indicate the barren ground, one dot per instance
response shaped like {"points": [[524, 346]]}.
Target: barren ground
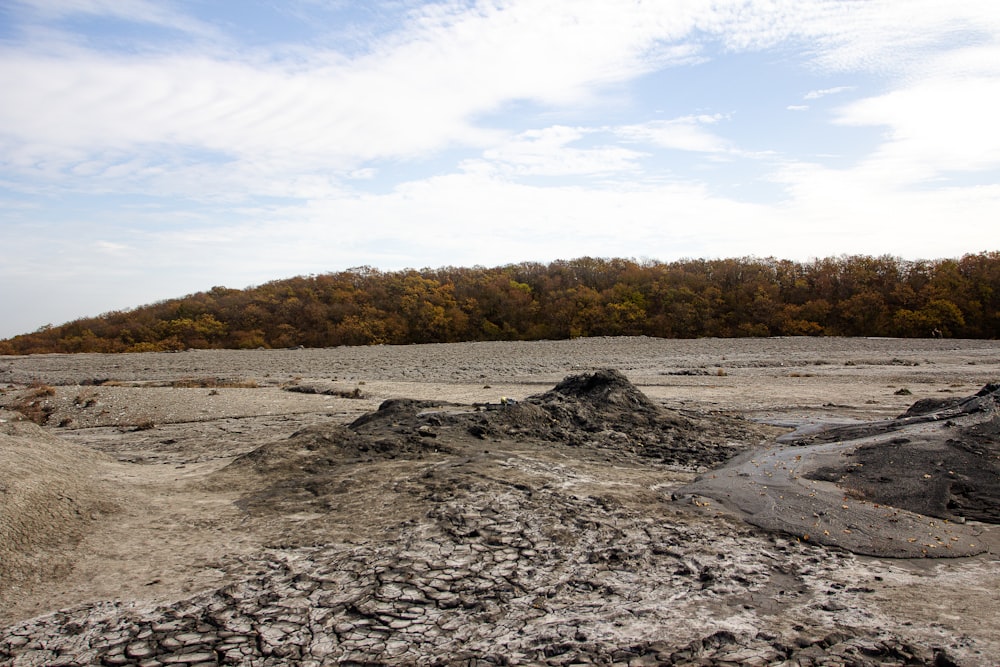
{"points": [[204, 507]]}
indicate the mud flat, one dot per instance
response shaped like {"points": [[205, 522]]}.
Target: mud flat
{"points": [[506, 503]]}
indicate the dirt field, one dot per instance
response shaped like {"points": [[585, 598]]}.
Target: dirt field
{"points": [[256, 507]]}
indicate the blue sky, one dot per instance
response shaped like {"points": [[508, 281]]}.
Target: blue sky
{"points": [[150, 149]]}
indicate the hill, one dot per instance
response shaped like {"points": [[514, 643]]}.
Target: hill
{"points": [[845, 296]]}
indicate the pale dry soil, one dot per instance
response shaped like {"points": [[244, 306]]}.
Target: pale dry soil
{"points": [[136, 507]]}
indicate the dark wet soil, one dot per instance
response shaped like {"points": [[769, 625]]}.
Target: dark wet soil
{"points": [[951, 472]]}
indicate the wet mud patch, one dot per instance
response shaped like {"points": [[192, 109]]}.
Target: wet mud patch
{"points": [[900, 488], [944, 460], [953, 480]]}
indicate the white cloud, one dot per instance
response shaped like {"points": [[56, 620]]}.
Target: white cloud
{"points": [[851, 208], [547, 152], [816, 94], [152, 118], [88, 114], [479, 218], [797, 107], [933, 127], [111, 248], [686, 134]]}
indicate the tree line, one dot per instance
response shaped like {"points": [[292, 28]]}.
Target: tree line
{"points": [[838, 296]]}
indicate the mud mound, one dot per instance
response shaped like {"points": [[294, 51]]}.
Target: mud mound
{"points": [[604, 399], [598, 410], [394, 413], [983, 400], [608, 390], [49, 497], [380, 435], [316, 447], [313, 468], [601, 413], [927, 405], [953, 472], [604, 409]]}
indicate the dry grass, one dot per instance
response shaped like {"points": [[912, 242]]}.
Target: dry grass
{"points": [[34, 405]]}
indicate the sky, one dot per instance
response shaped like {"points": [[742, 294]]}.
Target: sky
{"points": [[150, 149]]}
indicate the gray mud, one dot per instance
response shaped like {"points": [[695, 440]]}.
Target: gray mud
{"points": [[916, 486]]}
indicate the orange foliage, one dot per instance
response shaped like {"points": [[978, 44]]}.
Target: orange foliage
{"points": [[847, 296]]}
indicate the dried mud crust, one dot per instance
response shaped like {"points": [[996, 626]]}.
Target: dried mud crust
{"points": [[506, 560], [492, 578]]}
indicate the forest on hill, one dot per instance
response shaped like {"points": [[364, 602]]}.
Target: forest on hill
{"points": [[841, 296]]}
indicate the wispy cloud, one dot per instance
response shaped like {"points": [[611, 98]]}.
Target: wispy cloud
{"points": [[549, 152], [816, 94], [112, 248], [933, 126], [686, 134], [135, 11], [413, 93]]}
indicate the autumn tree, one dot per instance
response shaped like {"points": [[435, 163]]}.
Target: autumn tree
{"points": [[746, 296]]}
